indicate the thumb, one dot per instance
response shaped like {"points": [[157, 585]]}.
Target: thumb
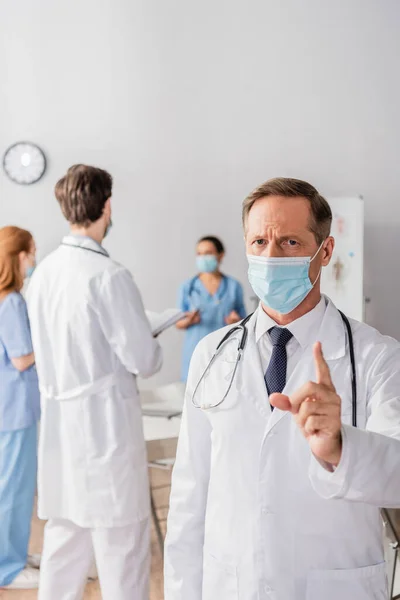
{"points": [[281, 401]]}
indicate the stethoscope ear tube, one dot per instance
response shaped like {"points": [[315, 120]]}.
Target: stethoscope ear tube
{"points": [[353, 368], [221, 292], [240, 349], [85, 248]]}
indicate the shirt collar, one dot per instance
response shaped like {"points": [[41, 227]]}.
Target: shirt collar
{"points": [[84, 241], [303, 329]]}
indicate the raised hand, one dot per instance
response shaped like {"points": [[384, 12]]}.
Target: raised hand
{"points": [[316, 408], [190, 318], [194, 317], [232, 318]]}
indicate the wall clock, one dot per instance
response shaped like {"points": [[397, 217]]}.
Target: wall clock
{"points": [[24, 163]]}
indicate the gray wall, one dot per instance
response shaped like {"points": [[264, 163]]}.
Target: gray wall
{"points": [[190, 105]]}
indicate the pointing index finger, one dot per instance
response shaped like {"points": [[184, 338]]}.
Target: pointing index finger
{"points": [[321, 367]]}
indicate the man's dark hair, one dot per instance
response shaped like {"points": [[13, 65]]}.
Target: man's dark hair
{"points": [[82, 194], [214, 240], [320, 211]]}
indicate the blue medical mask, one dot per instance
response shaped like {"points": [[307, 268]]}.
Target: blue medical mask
{"points": [[29, 271], [206, 263], [281, 283]]}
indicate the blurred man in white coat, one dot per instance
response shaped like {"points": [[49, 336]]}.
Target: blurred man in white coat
{"points": [[289, 442], [91, 339]]}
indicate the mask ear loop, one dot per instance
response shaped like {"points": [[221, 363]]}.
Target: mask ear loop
{"points": [[316, 254], [311, 259]]}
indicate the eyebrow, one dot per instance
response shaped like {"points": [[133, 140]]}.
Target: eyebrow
{"points": [[286, 236]]}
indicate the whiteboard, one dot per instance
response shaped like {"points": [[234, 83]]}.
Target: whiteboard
{"points": [[342, 279]]}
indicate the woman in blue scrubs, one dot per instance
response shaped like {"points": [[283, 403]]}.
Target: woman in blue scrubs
{"points": [[19, 411], [210, 299]]}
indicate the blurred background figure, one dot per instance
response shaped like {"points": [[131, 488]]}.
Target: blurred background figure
{"points": [[92, 339], [210, 298], [19, 411]]}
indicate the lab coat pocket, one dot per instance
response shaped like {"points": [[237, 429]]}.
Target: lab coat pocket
{"points": [[366, 583], [219, 580]]}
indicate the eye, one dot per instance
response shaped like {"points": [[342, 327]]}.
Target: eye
{"points": [[291, 243], [259, 242]]}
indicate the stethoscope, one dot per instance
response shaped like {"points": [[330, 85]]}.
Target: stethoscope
{"points": [[81, 247], [221, 292], [242, 339]]}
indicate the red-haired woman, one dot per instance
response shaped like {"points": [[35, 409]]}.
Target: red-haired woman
{"points": [[19, 411]]}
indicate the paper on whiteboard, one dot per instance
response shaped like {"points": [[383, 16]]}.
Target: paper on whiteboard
{"points": [[342, 280]]}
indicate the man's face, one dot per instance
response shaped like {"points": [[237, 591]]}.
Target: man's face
{"points": [[280, 227]]}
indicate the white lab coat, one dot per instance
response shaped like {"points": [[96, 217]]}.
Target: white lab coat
{"points": [[91, 338], [253, 515]]}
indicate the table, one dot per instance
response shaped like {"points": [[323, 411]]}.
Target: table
{"points": [[161, 408]]}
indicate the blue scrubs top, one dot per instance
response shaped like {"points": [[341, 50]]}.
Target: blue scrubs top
{"points": [[19, 394], [213, 310]]}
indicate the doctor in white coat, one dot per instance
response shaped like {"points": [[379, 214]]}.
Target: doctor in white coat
{"points": [[91, 339], [275, 493]]}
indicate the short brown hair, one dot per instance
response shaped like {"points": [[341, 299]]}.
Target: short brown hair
{"points": [[13, 241], [321, 214], [82, 194]]}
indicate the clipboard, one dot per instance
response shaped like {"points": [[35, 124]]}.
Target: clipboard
{"points": [[159, 322]]}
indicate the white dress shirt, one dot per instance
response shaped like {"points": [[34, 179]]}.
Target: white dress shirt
{"points": [[304, 331]]}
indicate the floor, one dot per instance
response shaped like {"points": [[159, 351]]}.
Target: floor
{"points": [[160, 481]]}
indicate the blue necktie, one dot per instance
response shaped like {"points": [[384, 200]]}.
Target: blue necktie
{"points": [[275, 375]]}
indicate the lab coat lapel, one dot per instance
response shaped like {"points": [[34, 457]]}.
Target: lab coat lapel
{"points": [[252, 385]]}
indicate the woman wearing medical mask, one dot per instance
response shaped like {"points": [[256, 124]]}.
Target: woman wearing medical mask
{"points": [[210, 299], [19, 411]]}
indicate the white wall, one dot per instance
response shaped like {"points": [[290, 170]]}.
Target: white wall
{"points": [[190, 105]]}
